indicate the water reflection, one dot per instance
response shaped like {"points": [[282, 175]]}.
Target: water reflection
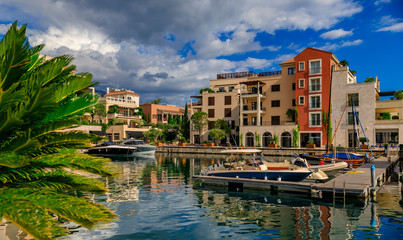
{"points": [[157, 199]]}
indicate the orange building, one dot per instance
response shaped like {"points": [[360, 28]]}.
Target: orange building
{"points": [[313, 92], [159, 113]]}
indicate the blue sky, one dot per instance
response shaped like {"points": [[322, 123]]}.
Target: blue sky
{"points": [[170, 49]]}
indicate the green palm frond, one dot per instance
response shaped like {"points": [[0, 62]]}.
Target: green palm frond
{"points": [[17, 204], [38, 175], [12, 160], [96, 165]]}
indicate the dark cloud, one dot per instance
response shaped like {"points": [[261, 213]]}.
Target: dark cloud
{"points": [[148, 77]]}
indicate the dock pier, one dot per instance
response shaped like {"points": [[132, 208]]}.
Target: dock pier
{"points": [[354, 183]]}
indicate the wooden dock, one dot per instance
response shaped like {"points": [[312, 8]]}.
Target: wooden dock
{"points": [[355, 183]]}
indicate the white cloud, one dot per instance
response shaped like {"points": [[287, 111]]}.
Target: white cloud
{"points": [[335, 46], [396, 27], [381, 2], [337, 33], [121, 41]]}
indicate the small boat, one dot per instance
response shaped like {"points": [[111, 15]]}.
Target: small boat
{"points": [[128, 148], [254, 167], [350, 158]]}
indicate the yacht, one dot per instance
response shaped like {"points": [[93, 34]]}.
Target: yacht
{"points": [[127, 148]]}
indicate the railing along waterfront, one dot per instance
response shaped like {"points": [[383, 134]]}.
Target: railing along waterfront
{"points": [[269, 123]]}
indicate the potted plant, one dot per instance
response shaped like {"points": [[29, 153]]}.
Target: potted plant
{"points": [[210, 144], [205, 143], [273, 141], [310, 144], [182, 142], [158, 143], [363, 141]]}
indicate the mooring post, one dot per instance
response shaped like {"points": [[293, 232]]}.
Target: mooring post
{"points": [[373, 181]]}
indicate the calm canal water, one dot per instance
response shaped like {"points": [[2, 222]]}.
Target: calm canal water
{"points": [[156, 198]]}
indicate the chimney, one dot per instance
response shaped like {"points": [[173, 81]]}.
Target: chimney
{"points": [[107, 90]]}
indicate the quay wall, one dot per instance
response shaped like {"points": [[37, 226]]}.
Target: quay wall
{"points": [[266, 151]]}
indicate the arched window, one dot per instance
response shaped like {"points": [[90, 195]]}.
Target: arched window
{"points": [[286, 139], [250, 140], [266, 139]]}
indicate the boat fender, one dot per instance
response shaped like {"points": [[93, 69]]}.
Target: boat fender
{"points": [[321, 162]]}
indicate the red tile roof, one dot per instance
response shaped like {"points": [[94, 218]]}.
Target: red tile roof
{"points": [[289, 61], [120, 93]]}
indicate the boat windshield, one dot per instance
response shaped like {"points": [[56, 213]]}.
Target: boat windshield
{"points": [[133, 142]]}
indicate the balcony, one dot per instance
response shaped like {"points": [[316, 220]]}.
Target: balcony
{"points": [[269, 123], [315, 71], [252, 109], [253, 95]]}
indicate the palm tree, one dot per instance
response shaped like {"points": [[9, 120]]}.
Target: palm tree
{"points": [[38, 184]]}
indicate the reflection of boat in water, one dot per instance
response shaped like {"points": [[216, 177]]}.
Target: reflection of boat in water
{"points": [[350, 158], [128, 148], [255, 167]]}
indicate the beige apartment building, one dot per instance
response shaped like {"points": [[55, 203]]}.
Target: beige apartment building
{"points": [[252, 103], [370, 104], [223, 103]]}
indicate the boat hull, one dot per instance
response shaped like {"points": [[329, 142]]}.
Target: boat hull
{"points": [[292, 176]]}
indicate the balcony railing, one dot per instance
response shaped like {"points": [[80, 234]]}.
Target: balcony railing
{"points": [[272, 73], [252, 108], [316, 70], [269, 123]]}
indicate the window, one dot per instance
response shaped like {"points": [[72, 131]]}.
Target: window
{"points": [[233, 124], [301, 66], [315, 102], [210, 125], [301, 83], [350, 118], [254, 106], [227, 112], [275, 88], [301, 100], [211, 113], [221, 89], [315, 67], [211, 101], [293, 103], [275, 103], [230, 89], [291, 71], [353, 98], [227, 100], [293, 86], [314, 120], [154, 116], [314, 84], [275, 120]]}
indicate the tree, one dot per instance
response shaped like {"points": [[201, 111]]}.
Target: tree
{"points": [[140, 112], [216, 134], [200, 120], [113, 109], [327, 125], [344, 63], [185, 126], [156, 101], [206, 89], [398, 95], [38, 97], [221, 124], [152, 134], [291, 114], [98, 110], [369, 79]]}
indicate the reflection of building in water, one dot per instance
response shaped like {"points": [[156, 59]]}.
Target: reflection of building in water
{"points": [[9, 231], [291, 218], [125, 186]]}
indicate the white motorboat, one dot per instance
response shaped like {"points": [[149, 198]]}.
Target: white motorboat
{"points": [[255, 167]]}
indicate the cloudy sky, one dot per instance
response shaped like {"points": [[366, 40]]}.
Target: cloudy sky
{"points": [[172, 48]]}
